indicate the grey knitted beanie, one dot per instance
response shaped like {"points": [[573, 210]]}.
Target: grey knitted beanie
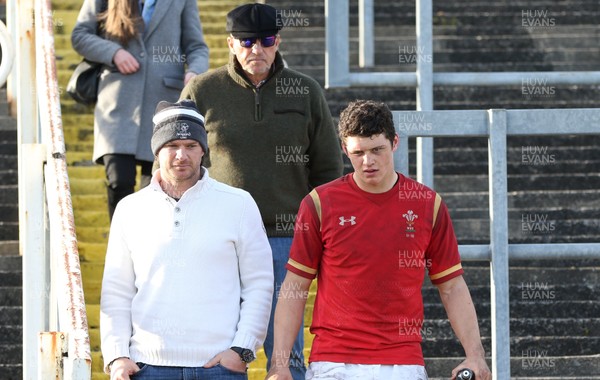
{"points": [[177, 121]]}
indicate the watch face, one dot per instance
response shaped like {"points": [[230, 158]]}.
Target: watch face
{"points": [[247, 355]]}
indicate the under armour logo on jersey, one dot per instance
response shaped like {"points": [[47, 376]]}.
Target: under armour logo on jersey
{"points": [[352, 220]]}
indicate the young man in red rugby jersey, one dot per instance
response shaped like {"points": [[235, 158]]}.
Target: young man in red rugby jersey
{"points": [[370, 237]]}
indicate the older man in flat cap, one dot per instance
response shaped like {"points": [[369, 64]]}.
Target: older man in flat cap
{"points": [[270, 132], [185, 293]]}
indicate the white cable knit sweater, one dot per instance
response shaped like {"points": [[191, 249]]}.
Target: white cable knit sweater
{"points": [[185, 280]]}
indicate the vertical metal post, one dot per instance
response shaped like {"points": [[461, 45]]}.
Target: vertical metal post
{"points": [[52, 346], [33, 246], [499, 245], [31, 203], [401, 154], [424, 12], [337, 45], [366, 35]]}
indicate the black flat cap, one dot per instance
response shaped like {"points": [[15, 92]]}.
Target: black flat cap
{"points": [[253, 20]]}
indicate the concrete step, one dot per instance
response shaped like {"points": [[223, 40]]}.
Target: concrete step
{"points": [[9, 248], [91, 252], [458, 183], [529, 309], [8, 148], [9, 212], [12, 371], [11, 335], [9, 231], [403, 55], [93, 234], [10, 278], [476, 231], [525, 327], [11, 316], [8, 125], [552, 199], [11, 263], [10, 354], [9, 176], [578, 367], [554, 346], [481, 213], [551, 273], [529, 290], [11, 296], [8, 162]]}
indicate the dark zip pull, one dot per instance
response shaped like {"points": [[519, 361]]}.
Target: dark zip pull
{"points": [[257, 113]]}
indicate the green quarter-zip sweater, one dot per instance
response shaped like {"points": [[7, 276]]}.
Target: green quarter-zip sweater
{"points": [[277, 141]]}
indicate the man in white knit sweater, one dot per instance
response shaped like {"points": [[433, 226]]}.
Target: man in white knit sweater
{"points": [[186, 293]]}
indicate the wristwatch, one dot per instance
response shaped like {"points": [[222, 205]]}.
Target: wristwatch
{"points": [[246, 355]]}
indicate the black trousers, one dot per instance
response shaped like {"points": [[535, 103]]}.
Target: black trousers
{"points": [[121, 173]]}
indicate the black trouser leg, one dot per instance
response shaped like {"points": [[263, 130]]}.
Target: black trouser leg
{"points": [[120, 172], [146, 173], [120, 178]]}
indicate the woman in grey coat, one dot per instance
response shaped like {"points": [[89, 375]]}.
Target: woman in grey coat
{"points": [[149, 50]]}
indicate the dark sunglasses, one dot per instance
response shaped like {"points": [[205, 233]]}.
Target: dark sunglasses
{"points": [[264, 41]]}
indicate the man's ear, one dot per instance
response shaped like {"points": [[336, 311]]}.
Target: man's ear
{"points": [[277, 41], [230, 43], [344, 148], [395, 143]]}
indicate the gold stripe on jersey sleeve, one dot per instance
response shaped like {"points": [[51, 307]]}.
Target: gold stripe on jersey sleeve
{"points": [[317, 201], [302, 267], [436, 208], [446, 272]]}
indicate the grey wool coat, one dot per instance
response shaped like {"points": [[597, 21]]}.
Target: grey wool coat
{"points": [[171, 44]]}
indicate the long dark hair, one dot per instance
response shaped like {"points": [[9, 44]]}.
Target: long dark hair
{"points": [[122, 20]]}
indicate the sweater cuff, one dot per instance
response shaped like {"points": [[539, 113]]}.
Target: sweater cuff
{"points": [[111, 354], [246, 341]]}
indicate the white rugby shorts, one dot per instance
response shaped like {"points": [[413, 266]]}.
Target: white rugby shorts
{"points": [[342, 371]]}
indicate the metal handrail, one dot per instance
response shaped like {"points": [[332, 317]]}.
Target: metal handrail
{"points": [[8, 53], [72, 317]]}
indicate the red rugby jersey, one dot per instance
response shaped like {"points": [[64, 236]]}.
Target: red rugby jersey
{"points": [[369, 253]]}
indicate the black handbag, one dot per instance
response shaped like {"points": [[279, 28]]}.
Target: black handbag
{"points": [[83, 84]]}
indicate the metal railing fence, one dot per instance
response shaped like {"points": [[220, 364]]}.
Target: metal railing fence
{"points": [[338, 74], [497, 125], [55, 331]]}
